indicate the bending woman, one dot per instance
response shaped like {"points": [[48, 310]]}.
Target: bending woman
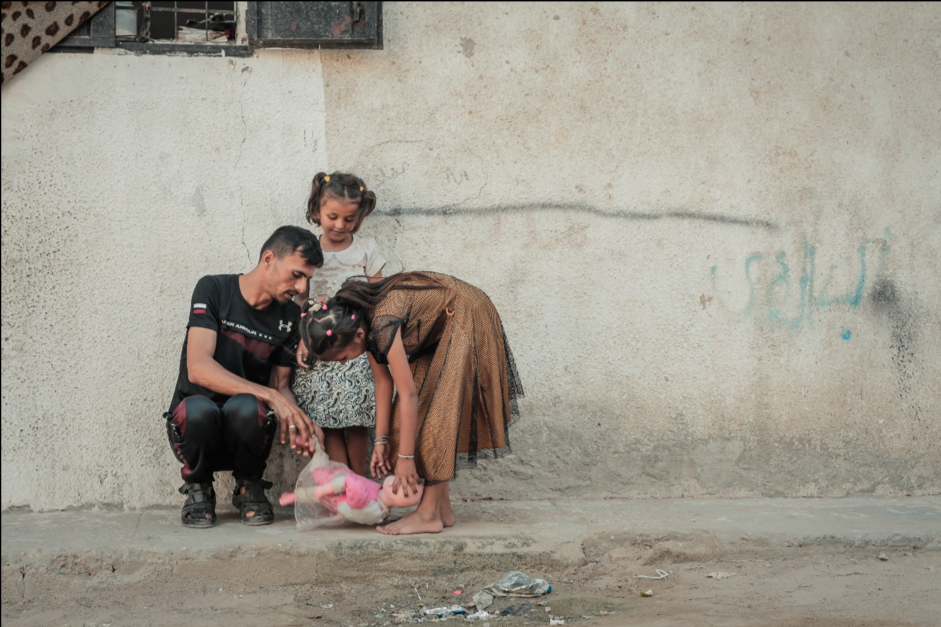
{"points": [[439, 341]]}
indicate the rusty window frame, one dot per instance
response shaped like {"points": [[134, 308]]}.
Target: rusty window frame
{"points": [[314, 25], [99, 31], [180, 13]]}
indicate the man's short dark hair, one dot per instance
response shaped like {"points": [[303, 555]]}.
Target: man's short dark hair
{"points": [[287, 240]]}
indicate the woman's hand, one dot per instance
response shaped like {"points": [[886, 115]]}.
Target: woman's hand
{"points": [[380, 466], [302, 355], [406, 477]]}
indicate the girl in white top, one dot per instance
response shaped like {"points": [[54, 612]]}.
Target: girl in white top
{"points": [[340, 397]]}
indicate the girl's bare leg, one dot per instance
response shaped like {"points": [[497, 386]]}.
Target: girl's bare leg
{"points": [[357, 444], [444, 509], [428, 518], [335, 444]]}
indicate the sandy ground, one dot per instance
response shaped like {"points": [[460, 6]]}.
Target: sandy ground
{"points": [[795, 586]]}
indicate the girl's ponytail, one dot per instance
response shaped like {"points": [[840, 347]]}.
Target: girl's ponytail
{"points": [[367, 200], [313, 201]]}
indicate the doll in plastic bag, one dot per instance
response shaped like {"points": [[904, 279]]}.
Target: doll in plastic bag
{"points": [[329, 492]]}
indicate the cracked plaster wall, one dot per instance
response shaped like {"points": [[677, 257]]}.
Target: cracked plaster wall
{"points": [[712, 232]]}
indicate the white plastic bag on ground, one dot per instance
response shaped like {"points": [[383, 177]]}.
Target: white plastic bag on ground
{"points": [[516, 584], [512, 584]]}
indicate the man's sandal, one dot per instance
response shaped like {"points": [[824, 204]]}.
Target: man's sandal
{"points": [[199, 509], [253, 501]]}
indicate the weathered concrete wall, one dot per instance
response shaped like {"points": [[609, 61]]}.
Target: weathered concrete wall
{"points": [[125, 179], [712, 231]]}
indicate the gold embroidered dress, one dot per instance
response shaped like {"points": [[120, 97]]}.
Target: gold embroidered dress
{"points": [[464, 372]]}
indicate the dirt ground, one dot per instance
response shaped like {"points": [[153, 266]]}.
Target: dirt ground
{"points": [[782, 587]]}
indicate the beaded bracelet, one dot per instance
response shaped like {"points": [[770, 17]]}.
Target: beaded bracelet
{"points": [[406, 456]]}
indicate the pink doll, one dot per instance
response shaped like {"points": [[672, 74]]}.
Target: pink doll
{"points": [[348, 495], [357, 498]]}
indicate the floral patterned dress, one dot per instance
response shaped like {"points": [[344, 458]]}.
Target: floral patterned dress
{"points": [[336, 395]]}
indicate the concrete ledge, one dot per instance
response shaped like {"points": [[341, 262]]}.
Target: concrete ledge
{"points": [[562, 531]]}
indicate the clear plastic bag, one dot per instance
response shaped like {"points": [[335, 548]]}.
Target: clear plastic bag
{"points": [[309, 511]]}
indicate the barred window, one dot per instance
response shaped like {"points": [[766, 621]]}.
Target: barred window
{"points": [[229, 28]]}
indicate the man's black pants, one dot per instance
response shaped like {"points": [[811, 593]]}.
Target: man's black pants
{"points": [[206, 437]]}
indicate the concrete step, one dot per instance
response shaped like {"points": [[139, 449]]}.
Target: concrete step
{"points": [[560, 532]]}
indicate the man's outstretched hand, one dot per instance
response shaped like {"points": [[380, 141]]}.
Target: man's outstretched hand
{"points": [[296, 428]]}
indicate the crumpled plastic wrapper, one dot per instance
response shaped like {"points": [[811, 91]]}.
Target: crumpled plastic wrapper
{"points": [[512, 584], [516, 584]]}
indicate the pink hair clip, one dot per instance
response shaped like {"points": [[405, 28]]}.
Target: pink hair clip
{"points": [[303, 314], [353, 317], [329, 332], [324, 308]]}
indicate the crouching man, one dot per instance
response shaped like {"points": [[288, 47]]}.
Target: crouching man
{"points": [[232, 396]]}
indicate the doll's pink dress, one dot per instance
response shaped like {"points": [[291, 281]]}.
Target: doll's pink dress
{"points": [[356, 498]]}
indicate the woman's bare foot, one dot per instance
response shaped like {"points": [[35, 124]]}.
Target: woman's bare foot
{"points": [[416, 522], [445, 513]]}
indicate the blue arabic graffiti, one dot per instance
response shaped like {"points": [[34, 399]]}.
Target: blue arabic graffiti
{"points": [[792, 305]]}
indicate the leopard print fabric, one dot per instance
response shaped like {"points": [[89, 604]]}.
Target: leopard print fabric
{"points": [[31, 28]]}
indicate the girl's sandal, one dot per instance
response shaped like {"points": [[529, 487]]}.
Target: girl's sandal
{"points": [[253, 501], [199, 509]]}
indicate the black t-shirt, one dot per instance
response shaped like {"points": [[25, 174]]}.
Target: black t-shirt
{"points": [[249, 341]]}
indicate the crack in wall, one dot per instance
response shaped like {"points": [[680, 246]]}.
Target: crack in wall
{"points": [[247, 71], [619, 214]]}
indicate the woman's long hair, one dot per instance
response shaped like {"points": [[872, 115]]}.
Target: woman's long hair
{"points": [[329, 327]]}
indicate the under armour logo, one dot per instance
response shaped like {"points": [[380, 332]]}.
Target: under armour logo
{"points": [[285, 326]]}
